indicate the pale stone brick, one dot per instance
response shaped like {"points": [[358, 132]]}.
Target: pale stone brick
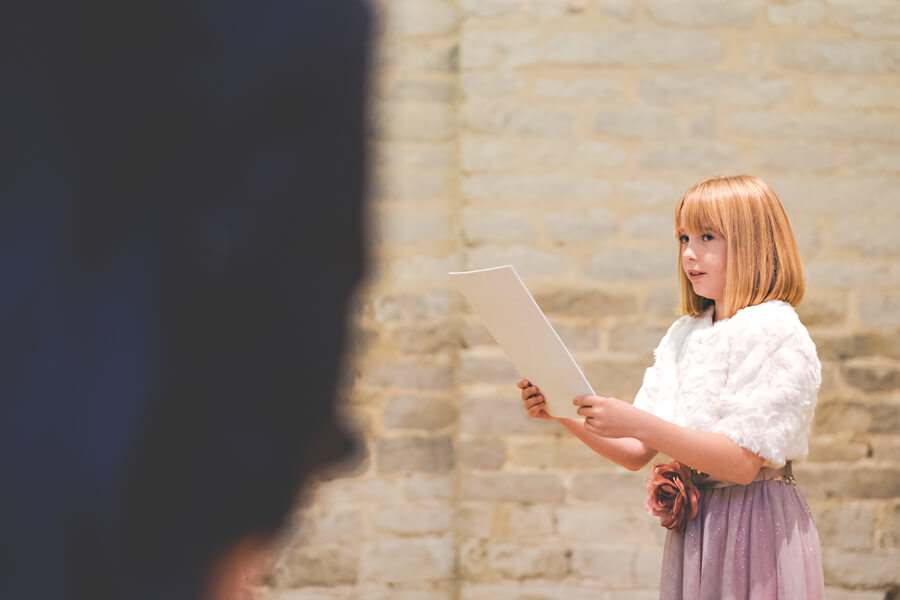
{"points": [[844, 567], [742, 89], [422, 54], [835, 416], [843, 126], [847, 272], [428, 488], [643, 123], [425, 338], [873, 376], [408, 184], [532, 591], [870, 234], [415, 454], [571, 155], [699, 156], [327, 565], [395, 592], [419, 17], [636, 338], [577, 337], [663, 302], [616, 378], [594, 89], [302, 594], [613, 487], [410, 374], [649, 192], [611, 566], [496, 370], [628, 525], [659, 47], [408, 560], [837, 195], [873, 18], [419, 412], [889, 526], [797, 12], [517, 562], [479, 154], [586, 225], [534, 188], [554, 9], [425, 269], [886, 448], [512, 487], [413, 520], [487, 454], [836, 593], [651, 226], [476, 334], [489, 8], [489, 84], [491, 117], [864, 481], [857, 345], [585, 302], [416, 121], [505, 48], [843, 94], [808, 156], [506, 416], [828, 448], [556, 454], [406, 226], [703, 12], [412, 307], [528, 261], [485, 226], [851, 526], [352, 492], [880, 308], [524, 521], [631, 265], [424, 90], [850, 57], [474, 521], [330, 527], [413, 156], [620, 9]]}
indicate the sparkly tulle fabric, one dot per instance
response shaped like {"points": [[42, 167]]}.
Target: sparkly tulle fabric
{"points": [[748, 542]]}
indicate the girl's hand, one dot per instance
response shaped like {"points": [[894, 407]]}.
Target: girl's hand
{"points": [[608, 417], [534, 400]]}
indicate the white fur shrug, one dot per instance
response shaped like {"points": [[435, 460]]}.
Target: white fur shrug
{"points": [[753, 377]]}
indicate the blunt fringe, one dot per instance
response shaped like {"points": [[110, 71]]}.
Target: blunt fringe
{"points": [[763, 261]]}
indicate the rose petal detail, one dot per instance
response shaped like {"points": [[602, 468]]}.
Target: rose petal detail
{"points": [[672, 495]]}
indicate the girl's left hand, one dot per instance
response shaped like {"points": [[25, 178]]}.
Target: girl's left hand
{"points": [[607, 417]]}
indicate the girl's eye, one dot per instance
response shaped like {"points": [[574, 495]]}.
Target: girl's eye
{"points": [[707, 237], [683, 239]]}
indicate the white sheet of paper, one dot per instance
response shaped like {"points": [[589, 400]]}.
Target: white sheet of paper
{"points": [[511, 315]]}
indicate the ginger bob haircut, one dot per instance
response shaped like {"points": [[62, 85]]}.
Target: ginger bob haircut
{"points": [[762, 263]]}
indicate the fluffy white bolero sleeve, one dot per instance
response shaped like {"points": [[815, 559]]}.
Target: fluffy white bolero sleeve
{"points": [[754, 377]]}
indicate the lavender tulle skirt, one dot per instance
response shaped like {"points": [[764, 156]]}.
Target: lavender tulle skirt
{"points": [[748, 542]]}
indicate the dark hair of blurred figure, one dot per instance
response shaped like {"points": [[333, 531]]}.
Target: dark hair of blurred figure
{"points": [[180, 236]]}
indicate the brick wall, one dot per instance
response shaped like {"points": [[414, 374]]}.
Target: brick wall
{"points": [[557, 135]]}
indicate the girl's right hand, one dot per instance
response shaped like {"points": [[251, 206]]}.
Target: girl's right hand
{"points": [[534, 400]]}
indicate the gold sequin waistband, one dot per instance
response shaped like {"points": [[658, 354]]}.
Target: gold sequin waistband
{"points": [[784, 475]]}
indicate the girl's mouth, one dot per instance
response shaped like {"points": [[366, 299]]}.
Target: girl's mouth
{"points": [[695, 275]]}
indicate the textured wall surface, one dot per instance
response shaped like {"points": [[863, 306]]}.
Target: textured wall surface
{"points": [[557, 135]]}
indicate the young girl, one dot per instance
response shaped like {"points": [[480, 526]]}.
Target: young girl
{"points": [[730, 397]]}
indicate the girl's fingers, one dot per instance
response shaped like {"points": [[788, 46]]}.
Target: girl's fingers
{"points": [[523, 384], [533, 401]]}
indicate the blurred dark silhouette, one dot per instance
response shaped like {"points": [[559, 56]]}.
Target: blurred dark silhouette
{"points": [[180, 235]]}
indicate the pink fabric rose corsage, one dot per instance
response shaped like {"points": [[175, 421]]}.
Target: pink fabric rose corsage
{"points": [[672, 495]]}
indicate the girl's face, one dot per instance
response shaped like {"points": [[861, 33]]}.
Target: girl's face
{"points": [[703, 259]]}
